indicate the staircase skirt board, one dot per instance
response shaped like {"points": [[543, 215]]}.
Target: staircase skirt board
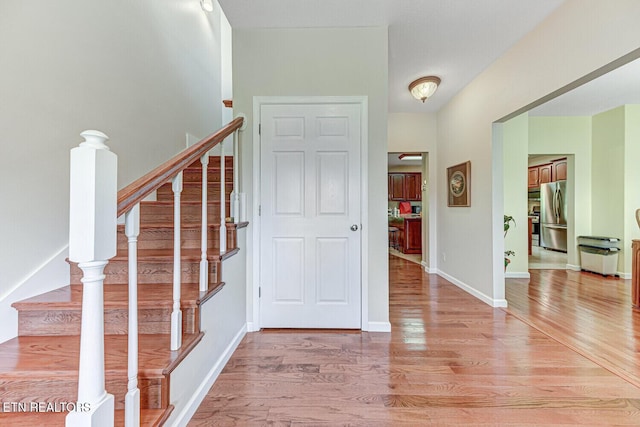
{"points": [[41, 364]]}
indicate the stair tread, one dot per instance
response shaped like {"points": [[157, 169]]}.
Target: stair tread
{"points": [[115, 295], [167, 254], [57, 357], [148, 417], [210, 202], [184, 224]]}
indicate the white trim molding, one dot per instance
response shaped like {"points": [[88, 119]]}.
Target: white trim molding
{"points": [[363, 101], [201, 392], [427, 269], [518, 275], [468, 289], [378, 327]]}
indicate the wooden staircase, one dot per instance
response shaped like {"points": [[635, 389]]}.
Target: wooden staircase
{"points": [[41, 364]]}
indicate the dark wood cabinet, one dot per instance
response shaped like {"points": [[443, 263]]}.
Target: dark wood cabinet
{"points": [[409, 237], [405, 186], [412, 242], [396, 186], [413, 186]]}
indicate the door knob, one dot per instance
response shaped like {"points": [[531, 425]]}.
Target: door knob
{"points": [[354, 227]]}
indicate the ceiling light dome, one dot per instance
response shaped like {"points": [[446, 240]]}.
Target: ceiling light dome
{"points": [[424, 87]]}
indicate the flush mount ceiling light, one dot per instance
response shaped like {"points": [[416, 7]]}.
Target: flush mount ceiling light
{"points": [[206, 5], [424, 87], [410, 156]]}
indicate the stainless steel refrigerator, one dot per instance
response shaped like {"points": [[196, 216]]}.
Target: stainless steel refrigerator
{"points": [[553, 215]]}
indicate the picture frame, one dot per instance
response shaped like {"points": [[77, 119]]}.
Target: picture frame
{"points": [[459, 185]]}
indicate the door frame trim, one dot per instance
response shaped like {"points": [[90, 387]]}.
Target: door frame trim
{"points": [[363, 102]]}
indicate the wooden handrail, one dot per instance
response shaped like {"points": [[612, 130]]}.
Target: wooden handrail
{"points": [[135, 192]]}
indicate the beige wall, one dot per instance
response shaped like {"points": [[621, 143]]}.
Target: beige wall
{"points": [[632, 181], [142, 72], [570, 136], [417, 132], [578, 38], [515, 148], [323, 62], [608, 175]]}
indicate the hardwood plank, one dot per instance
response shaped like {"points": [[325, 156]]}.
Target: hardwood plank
{"points": [[588, 313], [25, 377], [449, 359]]}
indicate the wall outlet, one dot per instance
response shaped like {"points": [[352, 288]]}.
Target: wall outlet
{"points": [[444, 256]]}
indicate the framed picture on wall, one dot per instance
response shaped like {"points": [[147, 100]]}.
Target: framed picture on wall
{"points": [[459, 184]]}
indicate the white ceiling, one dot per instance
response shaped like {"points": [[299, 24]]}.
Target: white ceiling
{"points": [[393, 159], [452, 39], [618, 87]]}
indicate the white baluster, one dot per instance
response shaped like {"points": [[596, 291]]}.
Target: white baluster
{"points": [[92, 242], [223, 213], [176, 315], [204, 263], [132, 398], [235, 196]]}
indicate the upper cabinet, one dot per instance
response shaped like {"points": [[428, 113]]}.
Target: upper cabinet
{"points": [[559, 172], [396, 186], [413, 186], [405, 186], [548, 172], [539, 174]]}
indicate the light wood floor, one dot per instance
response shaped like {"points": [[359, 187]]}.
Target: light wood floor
{"points": [[585, 311], [449, 360]]}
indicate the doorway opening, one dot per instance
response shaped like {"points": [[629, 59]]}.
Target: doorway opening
{"points": [[548, 211], [407, 205]]}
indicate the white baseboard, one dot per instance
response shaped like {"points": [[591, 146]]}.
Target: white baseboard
{"points": [[51, 274], [482, 297], [517, 275], [379, 327], [573, 267], [252, 327], [427, 269], [192, 405], [624, 275]]}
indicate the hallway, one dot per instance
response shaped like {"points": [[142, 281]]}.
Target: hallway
{"points": [[450, 359]]}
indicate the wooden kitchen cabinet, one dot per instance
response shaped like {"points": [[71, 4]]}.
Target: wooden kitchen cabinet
{"points": [[396, 186], [540, 174], [412, 242], [409, 237], [405, 186], [559, 170], [413, 186]]}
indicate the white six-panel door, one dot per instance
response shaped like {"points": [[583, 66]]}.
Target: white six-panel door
{"points": [[310, 216]]}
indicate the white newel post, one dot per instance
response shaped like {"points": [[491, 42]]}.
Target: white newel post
{"points": [[92, 242], [132, 398], [223, 213], [204, 263], [176, 315], [235, 196]]}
